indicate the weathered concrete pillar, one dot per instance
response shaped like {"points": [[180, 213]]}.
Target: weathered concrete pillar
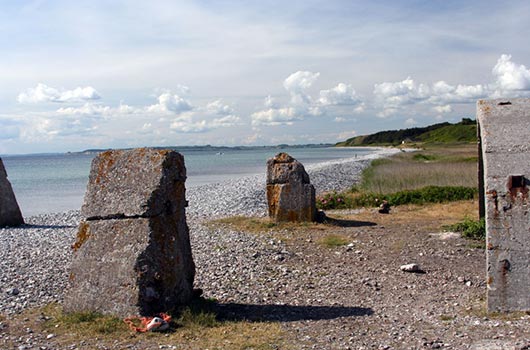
{"points": [[132, 255], [289, 194], [505, 133], [10, 214]]}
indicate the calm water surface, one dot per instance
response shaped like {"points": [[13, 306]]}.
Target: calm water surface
{"points": [[47, 183]]}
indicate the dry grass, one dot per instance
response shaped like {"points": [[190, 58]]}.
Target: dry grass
{"points": [[334, 240], [479, 309], [439, 215], [448, 166], [259, 225], [93, 331]]}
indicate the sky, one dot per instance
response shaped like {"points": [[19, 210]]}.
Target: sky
{"points": [[116, 74]]}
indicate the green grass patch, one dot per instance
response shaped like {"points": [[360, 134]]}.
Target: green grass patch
{"points": [[420, 157], [334, 240], [193, 327], [88, 322], [199, 313], [245, 223], [429, 194], [472, 229], [437, 174]]}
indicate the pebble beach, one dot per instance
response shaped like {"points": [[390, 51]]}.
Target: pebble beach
{"points": [[34, 258], [349, 297]]}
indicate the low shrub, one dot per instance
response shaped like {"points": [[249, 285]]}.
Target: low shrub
{"points": [[331, 200], [429, 194], [473, 229]]}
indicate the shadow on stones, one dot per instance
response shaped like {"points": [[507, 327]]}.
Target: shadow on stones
{"points": [[347, 223], [285, 313], [29, 226]]}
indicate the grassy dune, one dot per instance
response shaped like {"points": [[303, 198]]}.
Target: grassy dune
{"points": [[432, 174], [434, 166]]}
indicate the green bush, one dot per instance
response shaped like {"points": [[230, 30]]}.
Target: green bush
{"points": [[429, 194], [332, 200], [473, 229]]}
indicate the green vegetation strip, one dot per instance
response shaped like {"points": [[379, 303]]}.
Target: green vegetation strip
{"points": [[464, 131], [429, 194], [473, 229]]}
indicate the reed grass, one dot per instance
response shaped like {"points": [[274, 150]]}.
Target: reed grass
{"points": [[432, 167]]}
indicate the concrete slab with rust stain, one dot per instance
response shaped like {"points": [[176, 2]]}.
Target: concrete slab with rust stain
{"points": [[505, 153]]}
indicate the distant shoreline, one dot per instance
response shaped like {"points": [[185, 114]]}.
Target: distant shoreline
{"points": [[178, 148]]}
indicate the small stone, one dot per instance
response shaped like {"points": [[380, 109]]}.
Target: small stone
{"points": [[410, 268], [50, 336], [13, 291]]}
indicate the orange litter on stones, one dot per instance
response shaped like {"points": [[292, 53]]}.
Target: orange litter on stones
{"points": [[157, 323]]}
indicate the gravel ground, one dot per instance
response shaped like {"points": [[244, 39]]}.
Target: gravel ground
{"points": [[351, 297], [34, 258]]}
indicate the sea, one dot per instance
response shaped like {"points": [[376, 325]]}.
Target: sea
{"points": [[49, 183]]}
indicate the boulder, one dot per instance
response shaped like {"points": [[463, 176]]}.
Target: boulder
{"points": [[132, 255], [10, 214], [290, 195]]}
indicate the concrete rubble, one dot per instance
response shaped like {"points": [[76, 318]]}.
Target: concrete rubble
{"points": [[132, 255]]}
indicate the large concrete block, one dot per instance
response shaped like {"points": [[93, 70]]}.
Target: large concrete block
{"points": [[132, 255], [505, 132], [10, 214], [290, 196], [134, 183]]}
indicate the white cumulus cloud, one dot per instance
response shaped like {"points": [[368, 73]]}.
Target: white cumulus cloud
{"points": [[43, 93], [213, 116], [170, 103], [510, 76], [189, 126], [86, 109], [217, 107], [443, 109], [509, 79], [342, 94], [301, 105], [300, 81], [275, 116]]}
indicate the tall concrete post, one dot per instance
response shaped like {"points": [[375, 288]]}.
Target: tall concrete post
{"points": [[505, 133]]}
